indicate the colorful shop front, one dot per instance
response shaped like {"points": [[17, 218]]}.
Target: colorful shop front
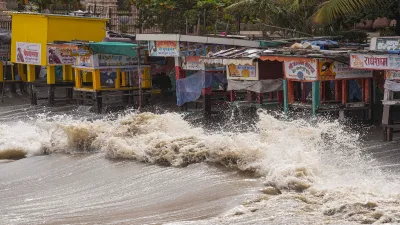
{"points": [[325, 83], [112, 75], [44, 41], [387, 62], [194, 78], [250, 80]]}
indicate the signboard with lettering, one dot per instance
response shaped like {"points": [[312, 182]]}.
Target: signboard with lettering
{"points": [[375, 62], [192, 63], [105, 60], [385, 44], [333, 70], [242, 72], [28, 53], [164, 48], [301, 70], [60, 54], [392, 75]]}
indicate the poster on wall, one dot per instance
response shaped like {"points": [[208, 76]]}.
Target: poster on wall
{"points": [[84, 61], [192, 63], [164, 48], [392, 75], [242, 72], [304, 70], [61, 54], [28, 53], [331, 70]]}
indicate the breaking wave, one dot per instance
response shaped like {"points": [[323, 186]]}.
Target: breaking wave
{"points": [[317, 170]]}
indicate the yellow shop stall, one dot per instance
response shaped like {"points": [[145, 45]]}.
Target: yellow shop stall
{"points": [[112, 76], [46, 41]]}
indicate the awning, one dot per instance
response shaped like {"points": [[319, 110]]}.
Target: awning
{"points": [[114, 48]]}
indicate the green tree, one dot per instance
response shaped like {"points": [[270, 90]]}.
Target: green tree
{"points": [[305, 15]]}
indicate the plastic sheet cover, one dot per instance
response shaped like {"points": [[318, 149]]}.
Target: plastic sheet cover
{"points": [[392, 85], [259, 86], [189, 89]]}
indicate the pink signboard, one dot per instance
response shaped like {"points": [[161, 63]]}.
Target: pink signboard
{"points": [[375, 62]]}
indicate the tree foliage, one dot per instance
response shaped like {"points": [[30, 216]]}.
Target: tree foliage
{"points": [[179, 15]]}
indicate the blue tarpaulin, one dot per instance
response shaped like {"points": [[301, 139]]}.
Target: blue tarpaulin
{"points": [[189, 89]]}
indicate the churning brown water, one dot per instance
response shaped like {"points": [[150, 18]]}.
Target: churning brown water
{"points": [[145, 168]]}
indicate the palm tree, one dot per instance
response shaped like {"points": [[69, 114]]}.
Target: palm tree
{"points": [[324, 12]]}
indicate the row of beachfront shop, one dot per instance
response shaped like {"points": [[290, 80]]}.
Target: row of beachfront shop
{"points": [[74, 53]]}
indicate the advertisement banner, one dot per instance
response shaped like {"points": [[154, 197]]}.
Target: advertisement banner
{"points": [[331, 70], [164, 48], [242, 72], [392, 75], [84, 61], [375, 62], [28, 53], [61, 54], [303, 70], [192, 63]]}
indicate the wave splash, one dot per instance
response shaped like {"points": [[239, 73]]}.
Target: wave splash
{"points": [[319, 168]]}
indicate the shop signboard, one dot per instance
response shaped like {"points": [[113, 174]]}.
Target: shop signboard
{"points": [[387, 44], [301, 70], [242, 72], [375, 62], [331, 70], [28, 53], [164, 48], [392, 74], [107, 60]]}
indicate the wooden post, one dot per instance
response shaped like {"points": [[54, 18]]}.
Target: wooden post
{"points": [[78, 80], [232, 96], [118, 79], [322, 86], [67, 73], [290, 89], [33, 94], [51, 75], [96, 80], [51, 94], [338, 90], [249, 96], [344, 92], [123, 79], [303, 92], [315, 97], [31, 73], [21, 72], [259, 98], [367, 87], [285, 96], [1, 71], [12, 72], [280, 97]]}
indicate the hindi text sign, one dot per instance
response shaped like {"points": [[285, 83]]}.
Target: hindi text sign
{"points": [[28, 53]]}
